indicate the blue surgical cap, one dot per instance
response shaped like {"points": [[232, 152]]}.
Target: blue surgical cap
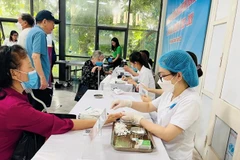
{"points": [[180, 61]]}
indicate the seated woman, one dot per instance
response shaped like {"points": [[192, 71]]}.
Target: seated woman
{"points": [[178, 107], [89, 79], [16, 113], [160, 91], [13, 37], [145, 75], [145, 56]]}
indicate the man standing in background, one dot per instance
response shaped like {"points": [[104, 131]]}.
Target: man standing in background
{"points": [[25, 23], [36, 45]]}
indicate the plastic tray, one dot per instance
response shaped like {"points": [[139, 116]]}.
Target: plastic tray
{"points": [[124, 143]]}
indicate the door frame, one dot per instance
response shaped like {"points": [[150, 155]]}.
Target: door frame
{"points": [[219, 105], [119, 29]]}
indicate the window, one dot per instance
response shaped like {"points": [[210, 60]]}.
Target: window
{"points": [[80, 40], [51, 5], [144, 14], [86, 18], [12, 8], [142, 40], [113, 13], [81, 27], [82, 12]]}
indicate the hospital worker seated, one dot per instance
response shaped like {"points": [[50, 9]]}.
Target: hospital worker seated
{"points": [[177, 108]]}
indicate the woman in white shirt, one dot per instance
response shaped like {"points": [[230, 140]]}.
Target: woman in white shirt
{"points": [[145, 75], [160, 91], [178, 107], [12, 39], [145, 56]]}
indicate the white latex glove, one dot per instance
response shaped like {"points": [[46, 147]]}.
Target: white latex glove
{"points": [[132, 117], [121, 103]]}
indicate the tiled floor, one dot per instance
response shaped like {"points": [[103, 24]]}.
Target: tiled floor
{"points": [[63, 99], [63, 102]]}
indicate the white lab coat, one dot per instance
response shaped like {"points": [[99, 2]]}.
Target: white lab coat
{"points": [[146, 77], [184, 114]]}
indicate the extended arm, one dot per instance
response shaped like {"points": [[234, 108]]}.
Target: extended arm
{"points": [[165, 133]]}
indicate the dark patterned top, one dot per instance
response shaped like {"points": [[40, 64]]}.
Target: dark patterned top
{"points": [[88, 78]]}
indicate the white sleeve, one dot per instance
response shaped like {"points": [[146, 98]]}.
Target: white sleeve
{"points": [[144, 79], [156, 101], [186, 114]]}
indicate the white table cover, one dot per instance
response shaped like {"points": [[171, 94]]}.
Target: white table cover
{"points": [[111, 82], [75, 145]]}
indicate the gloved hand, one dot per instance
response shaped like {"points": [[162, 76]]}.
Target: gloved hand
{"points": [[121, 103], [131, 117]]}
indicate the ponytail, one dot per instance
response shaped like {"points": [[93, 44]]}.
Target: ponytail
{"points": [[137, 57], [194, 57]]}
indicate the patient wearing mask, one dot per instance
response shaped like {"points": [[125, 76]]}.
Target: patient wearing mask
{"points": [[16, 113]]}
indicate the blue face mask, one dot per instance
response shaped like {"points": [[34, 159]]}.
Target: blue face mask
{"points": [[109, 59], [99, 63], [134, 69], [33, 81]]}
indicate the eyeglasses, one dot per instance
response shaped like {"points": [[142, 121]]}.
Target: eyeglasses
{"points": [[161, 76]]}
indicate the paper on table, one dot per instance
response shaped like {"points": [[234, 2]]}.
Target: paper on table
{"points": [[142, 91], [98, 125]]}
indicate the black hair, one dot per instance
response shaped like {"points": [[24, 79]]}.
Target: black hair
{"points": [[10, 58], [28, 18], [137, 57], [145, 52], [11, 34], [114, 39], [194, 57]]}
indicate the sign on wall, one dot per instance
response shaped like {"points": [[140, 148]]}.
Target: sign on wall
{"points": [[186, 25], [231, 145]]}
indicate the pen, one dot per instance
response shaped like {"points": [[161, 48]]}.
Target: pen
{"points": [[87, 108], [173, 105]]}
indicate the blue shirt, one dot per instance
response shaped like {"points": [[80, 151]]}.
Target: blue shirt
{"points": [[36, 42]]}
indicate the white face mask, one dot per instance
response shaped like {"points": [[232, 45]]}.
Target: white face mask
{"points": [[19, 26], [167, 86]]}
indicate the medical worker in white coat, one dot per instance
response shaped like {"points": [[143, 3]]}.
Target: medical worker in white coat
{"points": [[178, 107], [145, 75]]}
